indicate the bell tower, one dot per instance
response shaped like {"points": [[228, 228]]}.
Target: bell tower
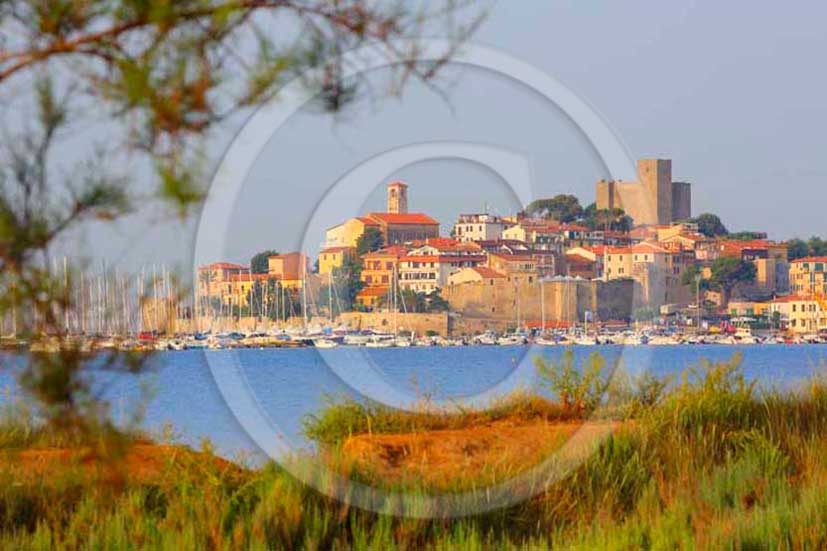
{"points": [[398, 198]]}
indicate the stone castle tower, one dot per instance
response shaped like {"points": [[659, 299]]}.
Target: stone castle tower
{"points": [[398, 198], [653, 199]]}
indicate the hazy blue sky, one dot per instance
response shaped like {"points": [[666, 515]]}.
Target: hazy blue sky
{"points": [[734, 92]]}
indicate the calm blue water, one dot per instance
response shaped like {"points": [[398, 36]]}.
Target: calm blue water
{"points": [[289, 384]]}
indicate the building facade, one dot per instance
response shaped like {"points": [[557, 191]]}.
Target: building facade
{"points": [[808, 276], [800, 314], [333, 258], [427, 268], [479, 227], [290, 269]]}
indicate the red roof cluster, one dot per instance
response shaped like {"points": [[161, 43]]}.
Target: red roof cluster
{"points": [[442, 258], [403, 219], [487, 272], [224, 266], [336, 249], [392, 250]]}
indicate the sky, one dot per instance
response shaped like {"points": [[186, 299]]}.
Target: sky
{"points": [[733, 92]]}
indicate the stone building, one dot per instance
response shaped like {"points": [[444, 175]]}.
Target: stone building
{"points": [[653, 199], [499, 302]]}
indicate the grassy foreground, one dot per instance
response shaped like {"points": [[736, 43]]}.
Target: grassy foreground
{"points": [[710, 463]]}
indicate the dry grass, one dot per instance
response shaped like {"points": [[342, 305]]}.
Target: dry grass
{"points": [[460, 458], [713, 464]]}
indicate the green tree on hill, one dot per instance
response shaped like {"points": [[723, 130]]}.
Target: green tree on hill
{"points": [[370, 240], [798, 248], [710, 225], [727, 272], [259, 264], [413, 302], [747, 235], [615, 219], [563, 208], [348, 277]]}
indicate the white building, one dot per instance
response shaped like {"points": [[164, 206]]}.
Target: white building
{"points": [[428, 268], [479, 227]]}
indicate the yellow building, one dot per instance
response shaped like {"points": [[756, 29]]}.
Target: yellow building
{"points": [[348, 233], [290, 269], [801, 314], [332, 258], [370, 297], [239, 286], [212, 278], [807, 276], [379, 267]]}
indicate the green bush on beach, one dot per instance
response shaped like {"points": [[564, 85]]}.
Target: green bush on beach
{"points": [[711, 462]]}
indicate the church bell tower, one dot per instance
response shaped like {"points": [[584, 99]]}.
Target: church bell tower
{"points": [[398, 198]]}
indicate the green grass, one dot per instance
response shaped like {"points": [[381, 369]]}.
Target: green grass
{"points": [[714, 463]]}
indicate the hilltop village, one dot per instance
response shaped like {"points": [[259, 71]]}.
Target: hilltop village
{"points": [[634, 256]]}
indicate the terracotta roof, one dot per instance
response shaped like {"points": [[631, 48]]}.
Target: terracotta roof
{"points": [[224, 266], [599, 250], [336, 249], [577, 258], [573, 227], [513, 257], [809, 259], [399, 218], [791, 298], [689, 236], [487, 272], [393, 250], [366, 221], [445, 244], [648, 247], [442, 258], [616, 250]]}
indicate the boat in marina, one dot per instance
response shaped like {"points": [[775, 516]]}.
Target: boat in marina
{"points": [[325, 343], [511, 340]]}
